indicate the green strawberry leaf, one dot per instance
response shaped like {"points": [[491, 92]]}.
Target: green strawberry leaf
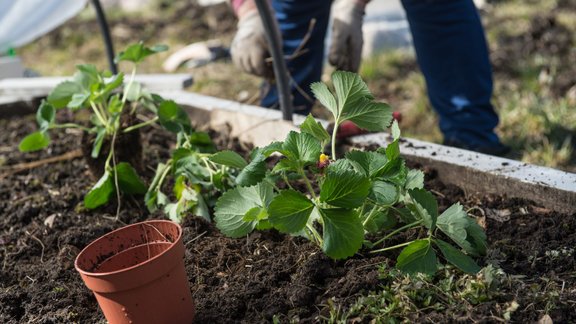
{"points": [[128, 179], [187, 163], [463, 230], [155, 199], [425, 206], [137, 52], [86, 76], [45, 115], [457, 258], [384, 193], [343, 232], [78, 100], [314, 128], [395, 130], [62, 93], [368, 163], [97, 146], [414, 180], [115, 104], [200, 141], [350, 89], [229, 158], [289, 211], [255, 214], [325, 96], [367, 114], [234, 204], [476, 238], [418, 257], [301, 147], [173, 117], [255, 171], [100, 192], [394, 171], [453, 222], [344, 188], [393, 150], [34, 142]]}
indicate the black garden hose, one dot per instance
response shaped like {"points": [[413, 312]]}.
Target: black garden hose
{"points": [[278, 62], [106, 35]]}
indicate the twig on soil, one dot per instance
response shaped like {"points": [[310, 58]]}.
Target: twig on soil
{"points": [[194, 239], [41, 244], [17, 168], [437, 193]]}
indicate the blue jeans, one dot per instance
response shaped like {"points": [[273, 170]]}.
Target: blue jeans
{"points": [[453, 56], [451, 51]]}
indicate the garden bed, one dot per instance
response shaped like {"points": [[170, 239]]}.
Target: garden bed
{"points": [[268, 275]]}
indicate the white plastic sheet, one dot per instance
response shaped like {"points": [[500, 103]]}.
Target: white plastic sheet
{"points": [[22, 21]]}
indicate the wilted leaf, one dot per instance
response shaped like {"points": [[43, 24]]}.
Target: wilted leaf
{"points": [[457, 258]]}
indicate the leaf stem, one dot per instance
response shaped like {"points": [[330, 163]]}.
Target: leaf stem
{"points": [[98, 115], [334, 131], [391, 247], [286, 180], [370, 215], [71, 125], [315, 234], [396, 231], [308, 184], [129, 85], [140, 125], [163, 175]]}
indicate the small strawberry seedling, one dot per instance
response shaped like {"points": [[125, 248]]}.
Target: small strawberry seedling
{"points": [[112, 146]]}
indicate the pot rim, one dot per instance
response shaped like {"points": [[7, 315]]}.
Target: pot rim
{"points": [[160, 255]]}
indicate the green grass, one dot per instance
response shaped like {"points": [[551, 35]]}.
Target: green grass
{"points": [[414, 298]]}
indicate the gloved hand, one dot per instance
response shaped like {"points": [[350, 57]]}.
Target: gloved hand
{"points": [[346, 43], [249, 48]]}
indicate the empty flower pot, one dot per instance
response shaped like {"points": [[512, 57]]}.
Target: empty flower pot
{"points": [[137, 274]]}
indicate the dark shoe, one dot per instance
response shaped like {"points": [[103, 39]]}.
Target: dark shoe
{"points": [[497, 149]]}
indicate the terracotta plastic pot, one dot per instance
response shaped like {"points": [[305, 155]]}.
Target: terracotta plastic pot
{"points": [[137, 274]]}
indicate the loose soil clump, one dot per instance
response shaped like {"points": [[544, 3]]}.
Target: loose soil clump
{"points": [[262, 277]]}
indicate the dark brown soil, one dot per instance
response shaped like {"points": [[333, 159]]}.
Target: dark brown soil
{"points": [[263, 276], [127, 148]]}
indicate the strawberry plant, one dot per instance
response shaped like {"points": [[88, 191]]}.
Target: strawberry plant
{"points": [[112, 107], [336, 202], [197, 176]]}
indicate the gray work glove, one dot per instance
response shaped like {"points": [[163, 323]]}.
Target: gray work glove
{"points": [[346, 43], [249, 49]]}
